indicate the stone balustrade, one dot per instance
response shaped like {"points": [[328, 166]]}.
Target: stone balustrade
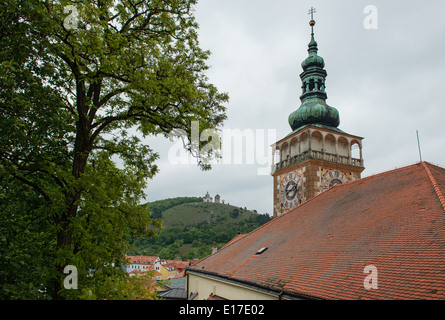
{"points": [[313, 154]]}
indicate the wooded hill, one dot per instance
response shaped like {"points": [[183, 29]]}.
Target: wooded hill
{"points": [[191, 226]]}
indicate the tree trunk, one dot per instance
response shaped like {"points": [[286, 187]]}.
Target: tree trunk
{"points": [[82, 150]]}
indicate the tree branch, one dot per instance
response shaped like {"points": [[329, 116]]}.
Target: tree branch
{"points": [[110, 95], [35, 186]]}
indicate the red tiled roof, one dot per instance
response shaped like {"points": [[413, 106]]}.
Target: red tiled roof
{"points": [[139, 271], [178, 264], [148, 260], [394, 220]]}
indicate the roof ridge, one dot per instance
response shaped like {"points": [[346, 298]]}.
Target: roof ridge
{"points": [[435, 185], [228, 244], [369, 177], [388, 172], [239, 236]]}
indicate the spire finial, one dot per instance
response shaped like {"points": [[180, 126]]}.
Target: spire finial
{"points": [[313, 44], [312, 22]]}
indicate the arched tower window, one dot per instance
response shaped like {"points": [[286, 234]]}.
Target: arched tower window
{"points": [[317, 141], [355, 151], [311, 85], [329, 144]]}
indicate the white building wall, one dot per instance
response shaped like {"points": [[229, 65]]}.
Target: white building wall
{"points": [[205, 286]]}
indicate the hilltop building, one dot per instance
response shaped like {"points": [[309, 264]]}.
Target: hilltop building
{"points": [[208, 198], [334, 234]]}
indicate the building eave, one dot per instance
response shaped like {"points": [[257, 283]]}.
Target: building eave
{"points": [[275, 292]]}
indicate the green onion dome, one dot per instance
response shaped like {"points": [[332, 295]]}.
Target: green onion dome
{"points": [[314, 111], [313, 60]]}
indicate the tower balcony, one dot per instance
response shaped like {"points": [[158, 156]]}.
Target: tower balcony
{"points": [[319, 155]]}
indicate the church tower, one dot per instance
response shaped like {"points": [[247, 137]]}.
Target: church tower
{"points": [[316, 155]]}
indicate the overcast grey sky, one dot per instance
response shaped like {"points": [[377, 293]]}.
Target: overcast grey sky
{"points": [[385, 83]]}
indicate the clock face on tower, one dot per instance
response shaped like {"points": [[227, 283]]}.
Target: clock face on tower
{"points": [[333, 177], [291, 190]]}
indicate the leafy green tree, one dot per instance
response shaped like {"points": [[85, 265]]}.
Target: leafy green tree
{"points": [[77, 87]]}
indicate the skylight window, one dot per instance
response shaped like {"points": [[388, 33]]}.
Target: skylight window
{"points": [[261, 250]]}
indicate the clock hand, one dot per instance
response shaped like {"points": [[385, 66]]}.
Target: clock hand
{"points": [[292, 189]]}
